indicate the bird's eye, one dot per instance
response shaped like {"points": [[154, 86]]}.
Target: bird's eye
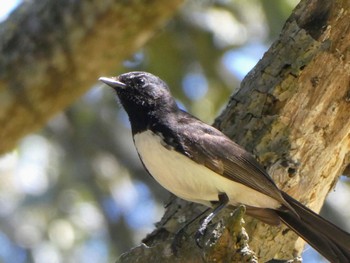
{"points": [[140, 82]]}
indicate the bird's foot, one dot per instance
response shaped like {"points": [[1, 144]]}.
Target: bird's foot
{"points": [[199, 236]]}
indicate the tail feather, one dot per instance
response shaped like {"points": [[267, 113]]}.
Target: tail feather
{"points": [[329, 240]]}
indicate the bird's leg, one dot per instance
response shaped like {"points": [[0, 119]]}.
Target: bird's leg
{"points": [[223, 201], [178, 235]]}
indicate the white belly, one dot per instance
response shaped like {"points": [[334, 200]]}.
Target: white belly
{"points": [[190, 181]]}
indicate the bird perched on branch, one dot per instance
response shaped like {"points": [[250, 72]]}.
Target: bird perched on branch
{"points": [[198, 163]]}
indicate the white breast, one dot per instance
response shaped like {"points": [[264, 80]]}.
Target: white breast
{"points": [[190, 181]]}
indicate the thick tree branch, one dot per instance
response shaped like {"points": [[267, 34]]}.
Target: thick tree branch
{"points": [[298, 119], [292, 111], [52, 51]]}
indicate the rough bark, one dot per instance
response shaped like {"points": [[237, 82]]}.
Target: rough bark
{"points": [[292, 111], [51, 52], [302, 125]]}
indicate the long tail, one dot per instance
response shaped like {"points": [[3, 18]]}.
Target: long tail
{"points": [[329, 240]]}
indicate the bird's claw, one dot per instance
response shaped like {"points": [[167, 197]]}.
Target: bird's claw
{"points": [[199, 236]]}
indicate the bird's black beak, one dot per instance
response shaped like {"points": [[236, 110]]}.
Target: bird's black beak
{"points": [[112, 82]]}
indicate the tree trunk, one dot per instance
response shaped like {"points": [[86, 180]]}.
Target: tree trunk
{"points": [[51, 52], [292, 111]]}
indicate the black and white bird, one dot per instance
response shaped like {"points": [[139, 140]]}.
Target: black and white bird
{"points": [[198, 163]]}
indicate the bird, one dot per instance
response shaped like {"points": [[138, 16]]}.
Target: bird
{"points": [[200, 164]]}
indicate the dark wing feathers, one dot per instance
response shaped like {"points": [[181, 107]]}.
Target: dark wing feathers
{"points": [[217, 152]]}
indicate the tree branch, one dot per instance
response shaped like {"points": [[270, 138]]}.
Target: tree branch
{"points": [[52, 51]]}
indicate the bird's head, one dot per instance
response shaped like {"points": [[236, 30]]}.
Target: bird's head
{"points": [[140, 90]]}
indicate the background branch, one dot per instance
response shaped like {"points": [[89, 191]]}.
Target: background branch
{"points": [[52, 51]]}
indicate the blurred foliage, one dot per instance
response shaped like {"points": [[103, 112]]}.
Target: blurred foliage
{"points": [[76, 191]]}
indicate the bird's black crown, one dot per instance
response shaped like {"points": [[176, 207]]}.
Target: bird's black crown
{"points": [[142, 88]]}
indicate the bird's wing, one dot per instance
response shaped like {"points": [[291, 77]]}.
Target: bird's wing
{"points": [[213, 149]]}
